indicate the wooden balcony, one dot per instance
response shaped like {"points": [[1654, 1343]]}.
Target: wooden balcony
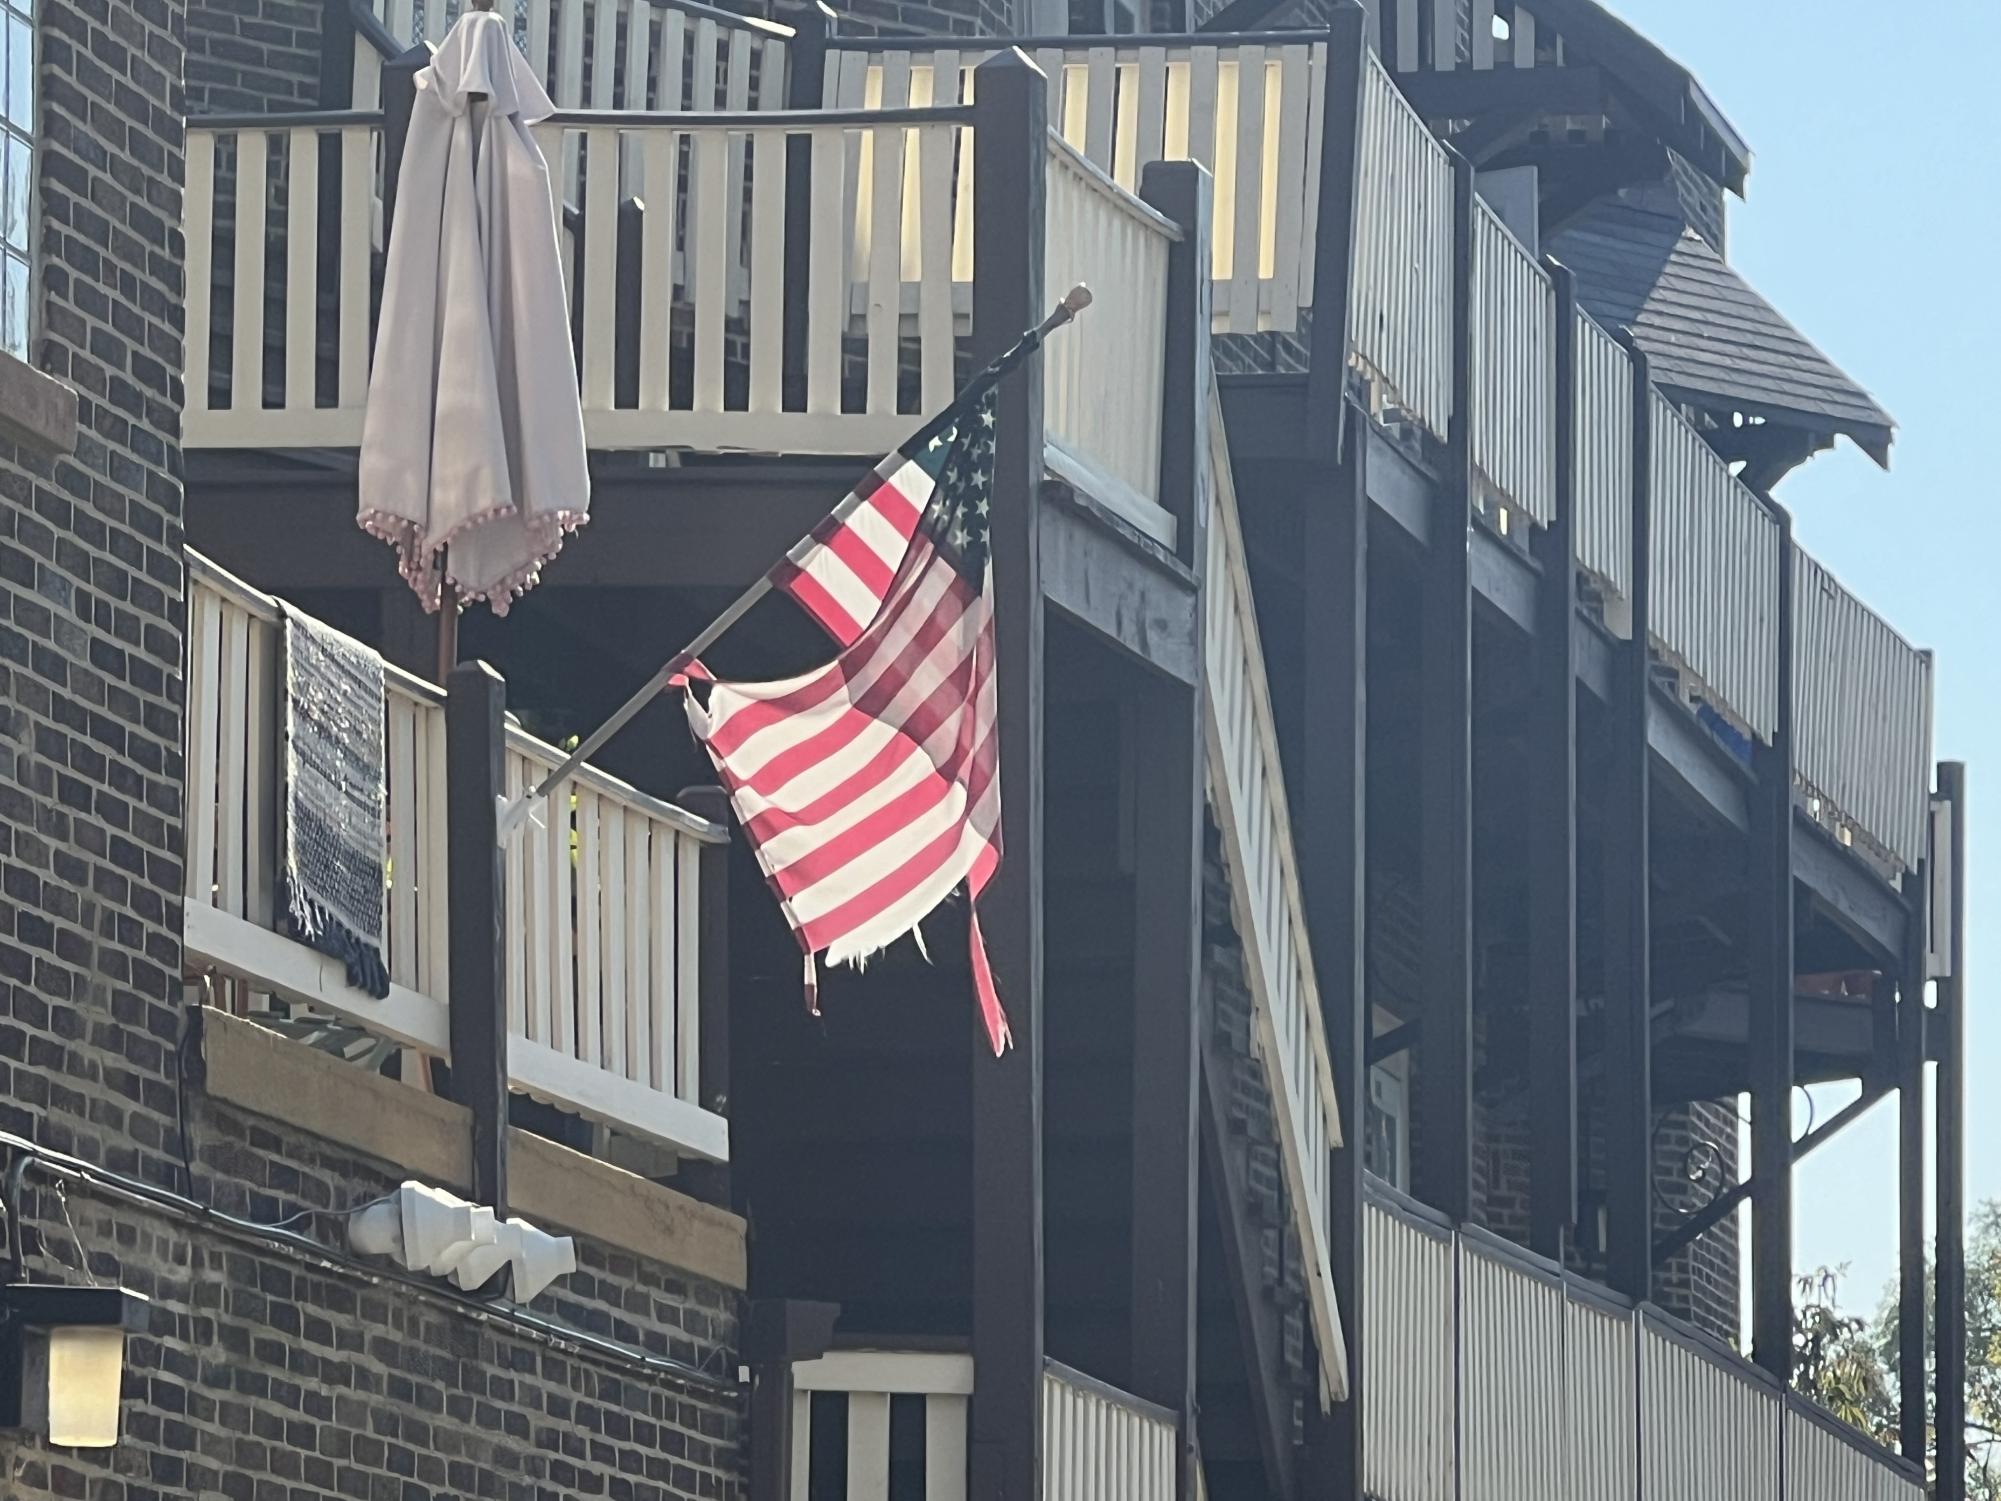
{"points": [[1099, 1443], [1464, 1331], [604, 929]]}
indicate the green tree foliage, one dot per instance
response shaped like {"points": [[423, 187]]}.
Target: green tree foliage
{"points": [[1849, 1364]]}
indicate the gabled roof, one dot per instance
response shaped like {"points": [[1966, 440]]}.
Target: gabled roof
{"points": [[1664, 84], [1712, 340]]}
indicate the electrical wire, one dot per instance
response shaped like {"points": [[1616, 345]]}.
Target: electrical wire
{"points": [[107, 1183]]}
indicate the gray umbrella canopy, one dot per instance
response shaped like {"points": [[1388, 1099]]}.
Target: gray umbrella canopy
{"points": [[472, 451]]}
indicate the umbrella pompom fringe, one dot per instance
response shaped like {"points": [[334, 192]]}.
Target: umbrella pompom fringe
{"points": [[417, 555], [550, 528]]}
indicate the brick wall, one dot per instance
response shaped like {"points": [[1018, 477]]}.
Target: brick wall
{"points": [[264, 1373], [90, 606], [259, 55], [1284, 1268]]}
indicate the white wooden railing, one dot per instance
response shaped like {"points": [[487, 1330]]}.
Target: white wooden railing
{"points": [[864, 1381], [1409, 1381], [1862, 714], [1514, 370], [666, 55], [1713, 551], [1247, 791], [1246, 108], [1400, 305], [1098, 1444], [1685, 1391], [1490, 1373], [698, 367], [603, 899], [1511, 1328], [1602, 452], [1101, 381]]}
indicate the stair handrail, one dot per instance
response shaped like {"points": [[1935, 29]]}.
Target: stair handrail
{"points": [[1306, 1109]]}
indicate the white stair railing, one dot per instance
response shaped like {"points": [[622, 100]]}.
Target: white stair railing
{"points": [[1247, 791]]}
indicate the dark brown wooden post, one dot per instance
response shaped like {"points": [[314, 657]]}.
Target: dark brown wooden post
{"points": [[1180, 190], [779, 1333], [1167, 772], [1950, 1113], [1334, 236], [1010, 134], [1444, 1161], [1166, 769], [1552, 826], [475, 743], [1331, 829], [399, 96], [1625, 862], [1913, 1415], [1770, 1016], [813, 24], [711, 1180]]}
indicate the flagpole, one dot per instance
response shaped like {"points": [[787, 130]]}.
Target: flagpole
{"points": [[1074, 302]]}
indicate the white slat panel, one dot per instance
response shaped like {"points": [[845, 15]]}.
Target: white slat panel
{"points": [[1101, 82], [417, 853], [205, 665], [1444, 35], [542, 919], [1202, 89], [802, 1444], [232, 732], [638, 62], [403, 839], [1247, 207], [827, 278], [688, 983], [771, 76], [665, 920], [767, 272], [709, 285], [1522, 38], [703, 87], [261, 817], [590, 1029], [515, 896], [615, 956], [357, 193], [1481, 25], [1408, 58], [432, 869], [944, 1448], [1150, 124], [199, 197], [538, 41], [246, 387], [868, 1447], [302, 267], [934, 297], [562, 947], [600, 266], [670, 81], [604, 52], [660, 151], [639, 977], [885, 272], [736, 101], [1310, 209], [1286, 188], [569, 94]]}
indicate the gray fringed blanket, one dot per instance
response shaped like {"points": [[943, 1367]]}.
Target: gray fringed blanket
{"points": [[334, 883]]}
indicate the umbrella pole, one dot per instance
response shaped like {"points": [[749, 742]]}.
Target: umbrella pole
{"points": [[448, 631]]}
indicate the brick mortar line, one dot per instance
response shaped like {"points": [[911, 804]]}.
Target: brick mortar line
{"points": [[180, 1209]]}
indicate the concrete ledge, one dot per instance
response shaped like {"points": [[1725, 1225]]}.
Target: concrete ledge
{"points": [[36, 410], [429, 1138]]}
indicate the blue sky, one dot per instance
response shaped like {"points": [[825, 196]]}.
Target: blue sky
{"points": [[1870, 220]]}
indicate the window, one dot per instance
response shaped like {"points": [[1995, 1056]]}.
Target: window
{"points": [[17, 174], [1386, 1132]]}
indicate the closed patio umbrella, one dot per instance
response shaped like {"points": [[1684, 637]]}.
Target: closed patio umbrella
{"points": [[472, 452]]}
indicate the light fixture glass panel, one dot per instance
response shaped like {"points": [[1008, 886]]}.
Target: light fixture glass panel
{"points": [[86, 1366]]}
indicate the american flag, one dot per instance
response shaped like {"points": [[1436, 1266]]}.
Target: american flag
{"points": [[869, 788]]}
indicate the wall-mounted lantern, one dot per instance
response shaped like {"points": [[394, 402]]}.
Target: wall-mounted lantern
{"points": [[62, 1360]]}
